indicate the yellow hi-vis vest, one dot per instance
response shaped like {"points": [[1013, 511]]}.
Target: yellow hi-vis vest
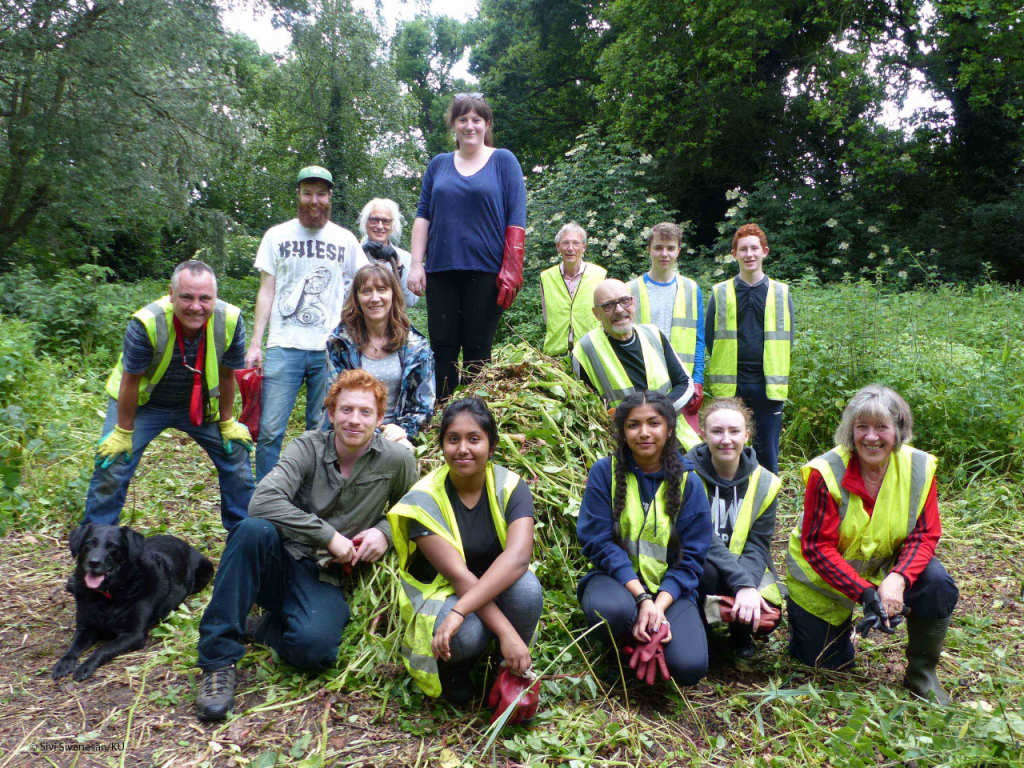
{"points": [[645, 537], [567, 312], [419, 603], [762, 488], [683, 336], [778, 336], [158, 319], [594, 354], [869, 543]]}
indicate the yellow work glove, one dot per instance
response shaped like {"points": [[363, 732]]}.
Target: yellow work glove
{"points": [[233, 432], [112, 445]]}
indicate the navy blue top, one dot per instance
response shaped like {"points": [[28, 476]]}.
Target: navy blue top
{"points": [[174, 390], [468, 214], [693, 527]]}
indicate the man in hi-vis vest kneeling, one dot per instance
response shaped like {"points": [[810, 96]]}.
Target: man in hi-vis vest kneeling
{"points": [[621, 358], [176, 370]]}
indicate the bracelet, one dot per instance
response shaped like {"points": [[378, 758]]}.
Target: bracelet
{"points": [[460, 613], [643, 596]]}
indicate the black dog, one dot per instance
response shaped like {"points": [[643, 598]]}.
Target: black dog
{"points": [[124, 585]]}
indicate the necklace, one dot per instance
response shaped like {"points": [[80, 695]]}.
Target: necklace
{"points": [[377, 345]]}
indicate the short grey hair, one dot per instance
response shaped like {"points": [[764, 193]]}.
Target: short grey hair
{"points": [[396, 217], [572, 226], [193, 267], [881, 404]]}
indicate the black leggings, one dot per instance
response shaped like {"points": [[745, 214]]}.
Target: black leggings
{"points": [[462, 314], [686, 654]]}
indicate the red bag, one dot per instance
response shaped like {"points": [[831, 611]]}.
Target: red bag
{"points": [[250, 386]]}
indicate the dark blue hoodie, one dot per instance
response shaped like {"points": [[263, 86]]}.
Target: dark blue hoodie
{"points": [[693, 527]]}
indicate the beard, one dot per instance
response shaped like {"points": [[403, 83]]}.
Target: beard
{"points": [[314, 215]]}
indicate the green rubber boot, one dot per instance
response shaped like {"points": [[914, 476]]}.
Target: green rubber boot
{"points": [[924, 644]]}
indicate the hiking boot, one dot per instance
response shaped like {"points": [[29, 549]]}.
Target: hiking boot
{"points": [[216, 694], [925, 640], [456, 687]]}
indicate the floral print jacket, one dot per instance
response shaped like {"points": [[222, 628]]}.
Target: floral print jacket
{"points": [[414, 405]]}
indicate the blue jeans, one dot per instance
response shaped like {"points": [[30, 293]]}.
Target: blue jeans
{"points": [[522, 604], [307, 616], [109, 487], [284, 370]]}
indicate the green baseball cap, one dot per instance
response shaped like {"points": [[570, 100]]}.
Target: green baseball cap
{"points": [[316, 172]]}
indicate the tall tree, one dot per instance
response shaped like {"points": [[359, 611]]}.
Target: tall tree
{"points": [[110, 111]]}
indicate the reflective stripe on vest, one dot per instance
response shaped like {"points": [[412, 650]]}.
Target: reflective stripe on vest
{"points": [[645, 537], [427, 504], [158, 320], [762, 488], [565, 312], [595, 355], [683, 334], [868, 543], [778, 337]]}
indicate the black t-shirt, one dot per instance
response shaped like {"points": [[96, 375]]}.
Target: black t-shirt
{"points": [[631, 355], [476, 526]]}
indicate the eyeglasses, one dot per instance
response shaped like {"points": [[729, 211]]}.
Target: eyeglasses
{"points": [[577, 243], [379, 220], [626, 302], [472, 95]]}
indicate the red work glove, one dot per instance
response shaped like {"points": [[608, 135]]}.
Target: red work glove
{"points": [[769, 620], [510, 278], [693, 407], [720, 608], [649, 659], [506, 690], [250, 387]]}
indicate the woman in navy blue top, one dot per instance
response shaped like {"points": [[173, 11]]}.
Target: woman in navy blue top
{"points": [[467, 241]]}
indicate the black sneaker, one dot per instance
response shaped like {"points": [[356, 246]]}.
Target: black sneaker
{"points": [[742, 644], [216, 694]]}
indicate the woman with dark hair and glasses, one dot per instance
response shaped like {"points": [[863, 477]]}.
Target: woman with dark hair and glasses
{"points": [[645, 525], [467, 241], [464, 538]]}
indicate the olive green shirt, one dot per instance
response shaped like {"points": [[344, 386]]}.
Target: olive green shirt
{"points": [[308, 500]]}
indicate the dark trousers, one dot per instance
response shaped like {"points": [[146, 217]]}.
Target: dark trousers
{"points": [[462, 315], [712, 582], [816, 643], [767, 426], [686, 655], [307, 615]]}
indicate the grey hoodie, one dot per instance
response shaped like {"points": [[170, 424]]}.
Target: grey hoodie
{"points": [[747, 569]]}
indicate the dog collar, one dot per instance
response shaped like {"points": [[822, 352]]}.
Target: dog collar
{"points": [[103, 592]]}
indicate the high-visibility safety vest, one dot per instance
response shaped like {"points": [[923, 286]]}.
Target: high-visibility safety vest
{"points": [[869, 543], [762, 488], [683, 336], [594, 354], [778, 336], [158, 319], [565, 312], [645, 537], [427, 503]]}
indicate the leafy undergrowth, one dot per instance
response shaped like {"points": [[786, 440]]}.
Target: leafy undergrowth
{"points": [[365, 711]]}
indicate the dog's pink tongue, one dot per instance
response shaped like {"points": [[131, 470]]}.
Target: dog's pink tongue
{"points": [[94, 580]]}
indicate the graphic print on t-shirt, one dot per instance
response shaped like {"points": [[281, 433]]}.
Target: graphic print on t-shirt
{"points": [[724, 511], [303, 304]]}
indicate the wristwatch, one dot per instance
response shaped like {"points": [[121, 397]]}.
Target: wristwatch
{"points": [[642, 597]]}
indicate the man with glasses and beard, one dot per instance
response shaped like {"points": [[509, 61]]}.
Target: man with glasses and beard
{"points": [[621, 358], [306, 266]]}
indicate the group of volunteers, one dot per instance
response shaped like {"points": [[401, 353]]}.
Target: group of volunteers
{"points": [[677, 523]]}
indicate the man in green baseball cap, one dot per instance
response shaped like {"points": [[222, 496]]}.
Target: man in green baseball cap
{"points": [[306, 265], [316, 172]]}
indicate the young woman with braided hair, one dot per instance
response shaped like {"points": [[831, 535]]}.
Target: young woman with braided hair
{"points": [[645, 525]]}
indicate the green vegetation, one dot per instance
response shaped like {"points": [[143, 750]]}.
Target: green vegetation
{"points": [[954, 352]]}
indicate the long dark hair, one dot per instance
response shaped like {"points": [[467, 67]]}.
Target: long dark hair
{"points": [[671, 462], [352, 312]]}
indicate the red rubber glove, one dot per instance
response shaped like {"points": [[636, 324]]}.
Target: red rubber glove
{"points": [[720, 608], [506, 690], [648, 659], [693, 407], [510, 278]]}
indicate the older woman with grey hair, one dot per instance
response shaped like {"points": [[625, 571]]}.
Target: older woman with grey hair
{"points": [[868, 535], [380, 223], [567, 292]]}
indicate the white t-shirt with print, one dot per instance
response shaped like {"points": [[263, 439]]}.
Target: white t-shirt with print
{"points": [[313, 268]]}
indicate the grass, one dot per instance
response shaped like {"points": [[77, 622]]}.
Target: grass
{"points": [[365, 710]]}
